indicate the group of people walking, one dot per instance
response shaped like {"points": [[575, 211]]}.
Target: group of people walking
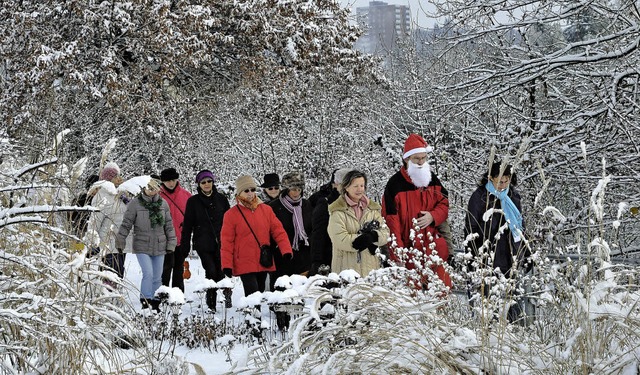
{"points": [[277, 231]]}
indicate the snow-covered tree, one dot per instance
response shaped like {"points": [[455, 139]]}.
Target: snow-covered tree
{"points": [[154, 73]]}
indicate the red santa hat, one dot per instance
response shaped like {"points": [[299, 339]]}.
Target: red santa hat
{"points": [[415, 144]]}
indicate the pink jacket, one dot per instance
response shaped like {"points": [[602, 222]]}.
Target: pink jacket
{"points": [[177, 201]]}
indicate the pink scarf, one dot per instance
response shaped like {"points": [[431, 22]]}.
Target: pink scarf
{"points": [[295, 207], [358, 207]]}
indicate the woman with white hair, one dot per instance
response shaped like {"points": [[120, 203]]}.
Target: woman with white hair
{"points": [[153, 236]]}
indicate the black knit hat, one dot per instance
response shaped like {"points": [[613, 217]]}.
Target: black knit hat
{"points": [[169, 174]]}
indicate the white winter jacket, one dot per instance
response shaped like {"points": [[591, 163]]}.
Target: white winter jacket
{"points": [[103, 225]]}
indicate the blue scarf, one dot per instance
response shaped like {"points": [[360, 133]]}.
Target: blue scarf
{"points": [[511, 212]]}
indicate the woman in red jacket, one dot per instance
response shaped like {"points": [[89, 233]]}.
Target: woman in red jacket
{"points": [[245, 228]]}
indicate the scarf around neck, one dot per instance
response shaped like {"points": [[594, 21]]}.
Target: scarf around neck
{"points": [[155, 215], [358, 207], [511, 212], [250, 204], [295, 207]]}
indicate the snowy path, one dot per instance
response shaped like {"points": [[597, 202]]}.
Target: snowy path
{"points": [[211, 362]]}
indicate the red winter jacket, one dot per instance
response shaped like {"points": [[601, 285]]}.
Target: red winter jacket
{"points": [[403, 201], [177, 201], [239, 249]]}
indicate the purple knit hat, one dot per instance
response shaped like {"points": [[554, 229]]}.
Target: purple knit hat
{"points": [[204, 174]]}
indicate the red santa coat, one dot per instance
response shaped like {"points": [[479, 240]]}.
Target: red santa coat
{"points": [[177, 201], [239, 249], [402, 202]]}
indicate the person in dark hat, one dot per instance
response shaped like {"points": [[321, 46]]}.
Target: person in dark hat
{"points": [[270, 187], [294, 212], [203, 220], [176, 196]]}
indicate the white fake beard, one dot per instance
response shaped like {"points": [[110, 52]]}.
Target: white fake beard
{"points": [[420, 174]]}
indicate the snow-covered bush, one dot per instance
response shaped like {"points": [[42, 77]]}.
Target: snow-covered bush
{"points": [[582, 316], [56, 315]]}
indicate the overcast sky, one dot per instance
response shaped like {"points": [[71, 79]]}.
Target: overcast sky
{"points": [[417, 14]]}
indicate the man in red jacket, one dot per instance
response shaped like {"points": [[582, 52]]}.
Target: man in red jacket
{"points": [[176, 197], [415, 193]]}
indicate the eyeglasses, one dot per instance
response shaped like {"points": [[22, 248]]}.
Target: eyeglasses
{"points": [[250, 190], [418, 159], [274, 188], [206, 182]]}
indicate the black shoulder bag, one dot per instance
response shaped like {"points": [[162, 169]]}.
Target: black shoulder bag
{"points": [[266, 252]]}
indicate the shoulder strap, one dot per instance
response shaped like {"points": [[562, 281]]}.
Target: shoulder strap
{"points": [[251, 229], [175, 204], [206, 211]]}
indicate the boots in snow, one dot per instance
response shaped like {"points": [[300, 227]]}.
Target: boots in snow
{"points": [[145, 303], [212, 295], [227, 297], [155, 304]]}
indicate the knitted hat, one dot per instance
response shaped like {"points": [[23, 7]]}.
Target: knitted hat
{"points": [[293, 180], [245, 182], [339, 175], [204, 174], [415, 144], [169, 174], [109, 171], [270, 179]]}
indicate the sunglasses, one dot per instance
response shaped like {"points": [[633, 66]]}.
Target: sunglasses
{"points": [[206, 182], [274, 188], [250, 190]]}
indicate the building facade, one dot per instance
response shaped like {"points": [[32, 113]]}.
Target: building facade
{"points": [[383, 26]]}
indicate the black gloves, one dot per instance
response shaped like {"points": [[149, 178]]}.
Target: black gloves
{"points": [[287, 257], [228, 272], [372, 249], [364, 240]]}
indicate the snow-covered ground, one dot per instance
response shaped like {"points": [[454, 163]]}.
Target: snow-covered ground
{"points": [[210, 361]]}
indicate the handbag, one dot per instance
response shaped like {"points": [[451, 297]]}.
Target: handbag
{"points": [[186, 274], [266, 252]]}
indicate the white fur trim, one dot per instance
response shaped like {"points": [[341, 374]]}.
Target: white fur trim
{"points": [[416, 151]]}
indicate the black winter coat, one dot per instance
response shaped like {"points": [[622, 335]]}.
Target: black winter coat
{"points": [[505, 248], [321, 246], [301, 261], [324, 192], [203, 219]]}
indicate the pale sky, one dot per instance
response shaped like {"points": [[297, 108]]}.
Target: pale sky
{"points": [[416, 6]]}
